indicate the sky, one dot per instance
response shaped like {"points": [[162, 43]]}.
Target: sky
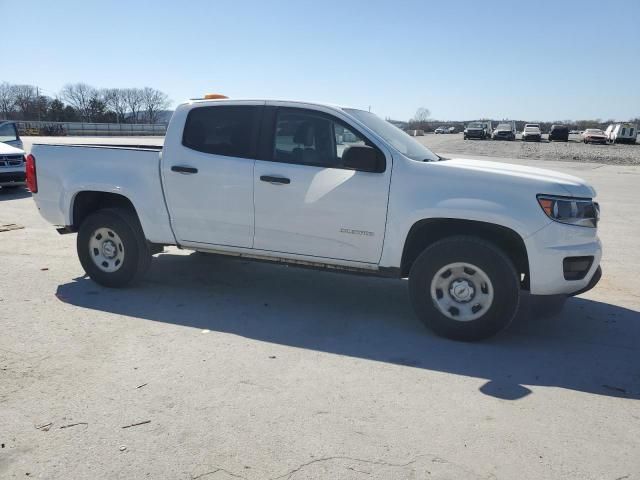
{"points": [[533, 60]]}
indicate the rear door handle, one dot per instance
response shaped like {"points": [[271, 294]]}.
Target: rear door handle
{"points": [[183, 169], [275, 180]]}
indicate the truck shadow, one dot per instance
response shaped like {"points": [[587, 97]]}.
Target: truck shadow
{"points": [[591, 347], [14, 193]]}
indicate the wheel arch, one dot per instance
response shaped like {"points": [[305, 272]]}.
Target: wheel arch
{"points": [[428, 231], [88, 201]]}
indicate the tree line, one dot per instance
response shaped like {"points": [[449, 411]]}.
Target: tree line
{"points": [[80, 102]]}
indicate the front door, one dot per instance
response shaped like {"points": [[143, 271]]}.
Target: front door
{"points": [[208, 175], [307, 203]]}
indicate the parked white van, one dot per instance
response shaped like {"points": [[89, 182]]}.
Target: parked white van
{"points": [[622, 133]]}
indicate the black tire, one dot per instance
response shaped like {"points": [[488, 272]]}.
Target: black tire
{"points": [[137, 256], [546, 305], [485, 256]]}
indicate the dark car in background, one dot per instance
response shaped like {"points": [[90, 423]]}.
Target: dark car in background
{"points": [[559, 132], [476, 130], [504, 131]]}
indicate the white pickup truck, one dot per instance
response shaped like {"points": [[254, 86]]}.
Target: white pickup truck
{"points": [[330, 187]]}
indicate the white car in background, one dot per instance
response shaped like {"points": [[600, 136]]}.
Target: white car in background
{"points": [[12, 166], [621, 133], [531, 131]]}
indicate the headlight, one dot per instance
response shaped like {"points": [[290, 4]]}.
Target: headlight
{"points": [[582, 212]]}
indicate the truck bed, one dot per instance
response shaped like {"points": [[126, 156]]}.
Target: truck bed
{"points": [[132, 171]]}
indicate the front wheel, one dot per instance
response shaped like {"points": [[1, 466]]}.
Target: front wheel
{"points": [[112, 248], [464, 288]]}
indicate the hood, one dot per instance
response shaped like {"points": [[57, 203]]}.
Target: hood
{"points": [[547, 181], [9, 150]]}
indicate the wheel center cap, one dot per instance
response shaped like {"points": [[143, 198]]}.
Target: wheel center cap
{"points": [[462, 290], [109, 249]]}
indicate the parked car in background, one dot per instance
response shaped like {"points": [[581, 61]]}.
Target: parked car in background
{"points": [[594, 135], [9, 134], [440, 130], [504, 131], [416, 133], [559, 132], [470, 235], [531, 132], [12, 166], [622, 133], [451, 130], [477, 130]]}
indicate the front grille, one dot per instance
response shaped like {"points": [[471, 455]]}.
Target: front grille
{"points": [[11, 160]]}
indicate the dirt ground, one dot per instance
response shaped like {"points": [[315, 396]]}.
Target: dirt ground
{"points": [[572, 151]]}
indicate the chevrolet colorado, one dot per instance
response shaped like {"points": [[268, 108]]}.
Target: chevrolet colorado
{"points": [[327, 187]]}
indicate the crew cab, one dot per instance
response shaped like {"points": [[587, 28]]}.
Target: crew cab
{"points": [[327, 187]]}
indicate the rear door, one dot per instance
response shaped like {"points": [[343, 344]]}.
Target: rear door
{"points": [[306, 202], [208, 174]]}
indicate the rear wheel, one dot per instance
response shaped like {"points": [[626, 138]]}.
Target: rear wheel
{"points": [[464, 288], [112, 248]]}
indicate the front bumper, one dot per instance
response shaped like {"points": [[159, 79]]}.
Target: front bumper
{"points": [[550, 246], [475, 134], [592, 283], [12, 178], [536, 138]]}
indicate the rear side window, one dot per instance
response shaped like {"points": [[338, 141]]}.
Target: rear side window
{"points": [[222, 130]]}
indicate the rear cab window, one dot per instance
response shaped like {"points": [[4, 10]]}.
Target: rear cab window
{"points": [[228, 130]]}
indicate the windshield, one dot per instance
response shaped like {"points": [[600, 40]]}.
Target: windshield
{"points": [[504, 126], [475, 125], [394, 136], [594, 130]]}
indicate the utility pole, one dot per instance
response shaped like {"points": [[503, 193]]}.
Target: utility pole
{"points": [[38, 101]]}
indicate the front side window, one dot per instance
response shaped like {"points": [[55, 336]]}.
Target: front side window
{"points": [[221, 130], [8, 132], [308, 138]]}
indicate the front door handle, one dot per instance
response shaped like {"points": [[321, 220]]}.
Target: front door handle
{"points": [[183, 169], [275, 180]]}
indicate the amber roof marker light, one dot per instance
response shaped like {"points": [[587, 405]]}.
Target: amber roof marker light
{"points": [[214, 96]]}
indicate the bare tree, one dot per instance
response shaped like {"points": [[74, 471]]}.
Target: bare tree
{"points": [[133, 99], [79, 96], [7, 100], [154, 101], [25, 98], [422, 115], [115, 100]]}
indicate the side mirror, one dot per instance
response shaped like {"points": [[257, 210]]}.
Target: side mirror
{"points": [[363, 158]]}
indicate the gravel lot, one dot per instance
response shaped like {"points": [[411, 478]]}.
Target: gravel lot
{"points": [[573, 150], [256, 371]]}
